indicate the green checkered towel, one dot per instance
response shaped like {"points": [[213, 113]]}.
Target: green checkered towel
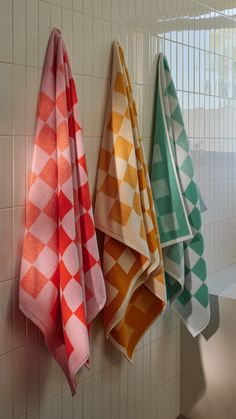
{"points": [[178, 208]]}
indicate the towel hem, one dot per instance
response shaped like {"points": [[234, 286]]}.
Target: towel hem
{"points": [[53, 350], [122, 349]]}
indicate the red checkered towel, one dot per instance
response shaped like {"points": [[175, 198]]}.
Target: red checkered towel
{"points": [[61, 286]]}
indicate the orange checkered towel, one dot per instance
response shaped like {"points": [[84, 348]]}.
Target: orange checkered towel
{"points": [[62, 286], [124, 211]]}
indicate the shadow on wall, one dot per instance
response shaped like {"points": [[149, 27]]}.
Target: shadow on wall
{"points": [[193, 380]]}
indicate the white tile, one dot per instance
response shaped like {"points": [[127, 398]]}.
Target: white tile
{"points": [[65, 384], [6, 31], [131, 12], [124, 40], [158, 406], [146, 370], [106, 48], [115, 355], [19, 34], [6, 99], [106, 359], [32, 90], [67, 3], [115, 388], [140, 57], [56, 19], [98, 343], [106, 9], [123, 385], [44, 30], [131, 413], [6, 251], [45, 410], [115, 31], [77, 42], [34, 414], [56, 2], [78, 5], [6, 316], [100, 96], [18, 235], [88, 7], [131, 385], [45, 372], [78, 402], [97, 399], [139, 13], [87, 101], [153, 60], [170, 356], [56, 407], [132, 52], [97, 8], [19, 382], [6, 396], [139, 414], [156, 366], [88, 45], [19, 155], [67, 30], [19, 322], [5, 172], [19, 100], [67, 409], [139, 376], [56, 378], [148, 106], [79, 88], [88, 147], [32, 378], [88, 398], [115, 10], [106, 393], [97, 47], [32, 33]]}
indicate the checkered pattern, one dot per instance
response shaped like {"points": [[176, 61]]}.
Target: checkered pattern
{"points": [[62, 286], [124, 211], [178, 207]]}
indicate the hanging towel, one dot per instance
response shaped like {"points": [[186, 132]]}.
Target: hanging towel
{"points": [[124, 211], [178, 208], [61, 287]]}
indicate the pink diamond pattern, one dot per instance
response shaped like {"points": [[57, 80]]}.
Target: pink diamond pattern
{"points": [[54, 261]]}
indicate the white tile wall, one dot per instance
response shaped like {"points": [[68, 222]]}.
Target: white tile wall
{"points": [[202, 54]]}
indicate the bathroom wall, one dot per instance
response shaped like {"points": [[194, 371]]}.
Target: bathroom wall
{"points": [[200, 45], [207, 363], [31, 384]]}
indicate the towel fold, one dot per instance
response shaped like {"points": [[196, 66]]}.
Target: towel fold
{"points": [[61, 286], [124, 211], [178, 208]]}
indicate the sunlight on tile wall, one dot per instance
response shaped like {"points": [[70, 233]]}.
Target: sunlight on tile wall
{"points": [[31, 384]]}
